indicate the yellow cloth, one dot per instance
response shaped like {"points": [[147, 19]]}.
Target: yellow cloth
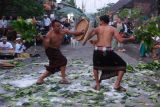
{"points": [[24, 55]]}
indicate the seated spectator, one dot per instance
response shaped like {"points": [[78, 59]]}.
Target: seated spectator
{"points": [[19, 47], [5, 45], [6, 49]]}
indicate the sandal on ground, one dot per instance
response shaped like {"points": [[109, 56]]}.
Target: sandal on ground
{"points": [[64, 82], [121, 89]]}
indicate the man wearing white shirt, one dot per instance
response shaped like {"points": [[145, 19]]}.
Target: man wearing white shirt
{"points": [[6, 49], [47, 23], [4, 45]]}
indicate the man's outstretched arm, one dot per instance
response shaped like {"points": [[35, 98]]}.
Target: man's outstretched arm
{"points": [[122, 39]]}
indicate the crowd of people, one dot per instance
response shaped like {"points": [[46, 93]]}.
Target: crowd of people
{"points": [[43, 25], [7, 49], [11, 42], [6, 26]]}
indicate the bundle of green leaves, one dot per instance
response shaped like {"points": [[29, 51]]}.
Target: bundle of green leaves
{"points": [[148, 30], [27, 30], [150, 66]]}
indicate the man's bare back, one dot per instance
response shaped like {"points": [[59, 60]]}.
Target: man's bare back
{"points": [[104, 36]]}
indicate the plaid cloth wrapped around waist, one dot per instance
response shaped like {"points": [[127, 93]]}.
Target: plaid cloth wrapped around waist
{"points": [[101, 48]]}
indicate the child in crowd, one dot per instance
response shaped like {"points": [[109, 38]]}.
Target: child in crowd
{"points": [[19, 47]]}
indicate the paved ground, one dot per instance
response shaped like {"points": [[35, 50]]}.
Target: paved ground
{"points": [[18, 89]]}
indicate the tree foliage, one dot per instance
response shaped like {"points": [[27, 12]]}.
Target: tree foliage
{"points": [[131, 13], [22, 8]]}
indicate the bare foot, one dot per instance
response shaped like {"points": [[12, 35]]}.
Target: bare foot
{"points": [[97, 87], [39, 82], [120, 89], [64, 81]]}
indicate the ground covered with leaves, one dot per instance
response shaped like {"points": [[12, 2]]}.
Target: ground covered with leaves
{"points": [[18, 88], [142, 83]]}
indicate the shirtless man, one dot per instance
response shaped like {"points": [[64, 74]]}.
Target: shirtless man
{"points": [[52, 43], [104, 58]]}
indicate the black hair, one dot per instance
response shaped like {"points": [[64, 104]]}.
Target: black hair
{"points": [[54, 21], [104, 18]]}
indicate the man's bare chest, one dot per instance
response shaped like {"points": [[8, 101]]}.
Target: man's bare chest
{"points": [[56, 37]]}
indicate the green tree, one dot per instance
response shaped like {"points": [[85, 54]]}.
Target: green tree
{"points": [[22, 8], [132, 13]]}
